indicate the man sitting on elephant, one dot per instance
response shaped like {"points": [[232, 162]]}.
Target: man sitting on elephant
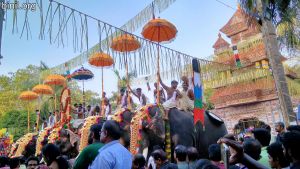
{"points": [[186, 102]]}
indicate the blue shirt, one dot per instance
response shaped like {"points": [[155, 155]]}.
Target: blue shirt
{"points": [[112, 156]]}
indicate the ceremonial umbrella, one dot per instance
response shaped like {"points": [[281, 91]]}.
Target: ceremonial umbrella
{"points": [[28, 96], [82, 74], [100, 59], [126, 43], [159, 30], [41, 89], [56, 80]]}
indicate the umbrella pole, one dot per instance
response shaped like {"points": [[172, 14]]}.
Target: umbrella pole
{"points": [[158, 81], [102, 92], [83, 96], [28, 119], [127, 84]]}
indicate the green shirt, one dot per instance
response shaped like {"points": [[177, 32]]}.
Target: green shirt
{"points": [[264, 160], [87, 156]]}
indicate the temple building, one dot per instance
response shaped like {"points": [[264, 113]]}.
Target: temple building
{"points": [[246, 89]]}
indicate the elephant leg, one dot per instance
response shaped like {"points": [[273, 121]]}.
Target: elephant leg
{"points": [[175, 139]]}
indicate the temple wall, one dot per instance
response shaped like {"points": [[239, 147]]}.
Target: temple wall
{"points": [[267, 111]]}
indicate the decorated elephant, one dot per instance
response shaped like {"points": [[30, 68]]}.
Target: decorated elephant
{"points": [[149, 129]]}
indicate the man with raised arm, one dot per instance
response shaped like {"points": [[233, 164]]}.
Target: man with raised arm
{"points": [[142, 98], [173, 95]]}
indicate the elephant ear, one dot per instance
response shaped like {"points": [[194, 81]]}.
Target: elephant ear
{"points": [[214, 118]]}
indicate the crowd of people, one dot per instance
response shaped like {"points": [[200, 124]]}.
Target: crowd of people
{"points": [[106, 150]]}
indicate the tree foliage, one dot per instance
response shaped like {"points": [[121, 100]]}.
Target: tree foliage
{"points": [[285, 15], [16, 122]]}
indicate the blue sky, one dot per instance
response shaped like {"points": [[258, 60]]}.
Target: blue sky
{"points": [[198, 23]]}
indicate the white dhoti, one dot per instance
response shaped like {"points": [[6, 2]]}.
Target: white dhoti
{"points": [[171, 103], [185, 103]]}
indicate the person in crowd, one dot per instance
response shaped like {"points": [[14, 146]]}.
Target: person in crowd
{"points": [[210, 166], [186, 102], [80, 112], [96, 111], [44, 123], [107, 108], [264, 137], [51, 120], [142, 98], [293, 128], [162, 96], [238, 155], [88, 110], [277, 159], [180, 154], [280, 129], [57, 116], [290, 141], [119, 98], [252, 147], [32, 162], [112, 155], [89, 153], [51, 155], [4, 162], [151, 163], [201, 163], [126, 99], [138, 162], [214, 155], [193, 155], [125, 140], [161, 161], [14, 163]]}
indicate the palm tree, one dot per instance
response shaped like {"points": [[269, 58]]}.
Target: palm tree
{"points": [[277, 14], [122, 80]]}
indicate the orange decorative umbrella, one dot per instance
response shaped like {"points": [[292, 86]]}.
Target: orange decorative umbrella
{"points": [[159, 30], [126, 43], [56, 80], [102, 60], [28, 96], [41, 89]]}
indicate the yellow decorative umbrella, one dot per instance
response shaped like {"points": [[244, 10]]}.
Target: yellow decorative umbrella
{"points": [[100, 59], [41, 89], [28, 96]]}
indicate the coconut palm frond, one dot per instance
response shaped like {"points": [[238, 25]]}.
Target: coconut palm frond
{"points": [[285, 16], [117, 73]]}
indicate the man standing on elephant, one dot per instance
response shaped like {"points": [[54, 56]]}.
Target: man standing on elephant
{"points": [[142, 98], [173, 95], [88, 154], [112, 155]]}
